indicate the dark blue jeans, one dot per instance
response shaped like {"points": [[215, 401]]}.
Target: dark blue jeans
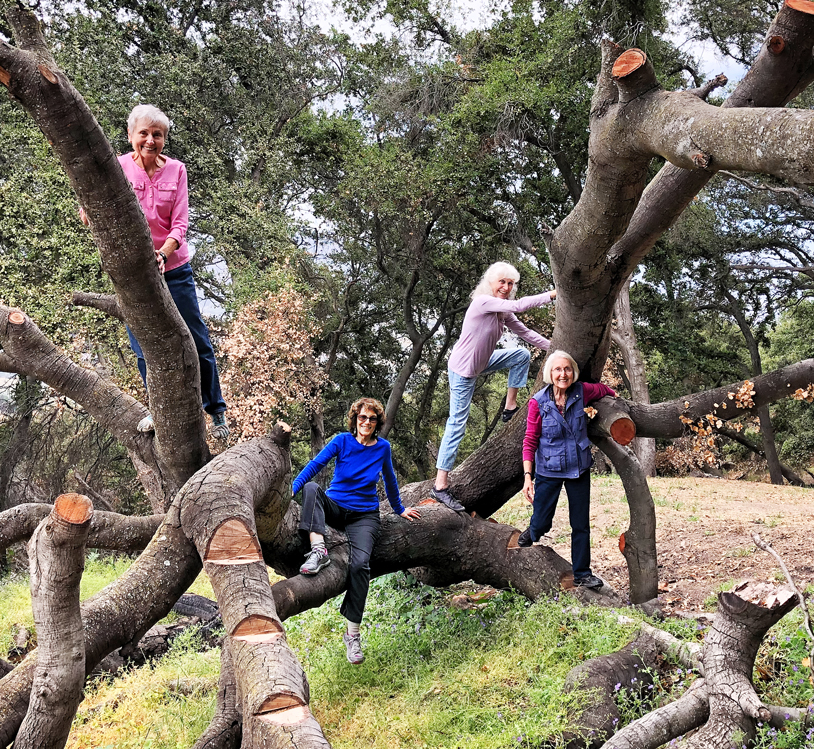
{"points": [[362, 530], [182, 290], [546, 494]]}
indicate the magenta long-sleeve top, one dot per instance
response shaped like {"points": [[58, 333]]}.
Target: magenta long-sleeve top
{"points": [[483, 326], [165, 202], [534, 424]]}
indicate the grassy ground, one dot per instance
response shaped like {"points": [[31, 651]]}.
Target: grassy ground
{"points": [[436, 676]]}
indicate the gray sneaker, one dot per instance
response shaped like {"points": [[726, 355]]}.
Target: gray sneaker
{"points": [[353, 648], [445, 497], [315, 560], [146, 424], [589, 581], [220, 429]]}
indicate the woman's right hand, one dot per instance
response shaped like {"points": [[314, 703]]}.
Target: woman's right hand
{"points": [[528, 489]]}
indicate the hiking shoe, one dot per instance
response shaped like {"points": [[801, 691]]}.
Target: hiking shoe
{"points": [[444, 496], [315, 560], [508, 413], [588, 581], [146, 424], [220, 429], [353, 648], [525, 538]]}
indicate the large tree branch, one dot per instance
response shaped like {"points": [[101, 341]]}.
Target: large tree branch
{"points": [[26, 350], [586, 309], [108, 530], [124, 242], [128, 607], [723, 403]]}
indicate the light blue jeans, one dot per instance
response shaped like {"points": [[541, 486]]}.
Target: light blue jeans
{"points": [[461, 389]]}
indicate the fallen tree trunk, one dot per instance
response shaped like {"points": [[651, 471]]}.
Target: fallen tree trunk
{"points": [[724, 702], [57, 554], [629, 668], [273, 689]]}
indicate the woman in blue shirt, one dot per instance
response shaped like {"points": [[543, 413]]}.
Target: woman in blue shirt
{"points": [[351, 504]]}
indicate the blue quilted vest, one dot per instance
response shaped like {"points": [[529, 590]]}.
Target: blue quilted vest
{"points": [[564, 450]]}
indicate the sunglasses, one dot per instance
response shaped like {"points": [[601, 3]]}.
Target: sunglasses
{"points": [[362, 418]]}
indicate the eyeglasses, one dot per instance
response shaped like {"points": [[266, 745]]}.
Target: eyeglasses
{"points": [[362, 418], [563, 370]]}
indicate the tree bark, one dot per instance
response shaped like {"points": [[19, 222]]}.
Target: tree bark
{"points": [[128, 607], [57, 554], [724, 701], [628, 668], [624, 336], [124, 241], [108, 530], [224, 732], [662, 419], [638, 542], [274, 693], [106, 303], [28, 351]]}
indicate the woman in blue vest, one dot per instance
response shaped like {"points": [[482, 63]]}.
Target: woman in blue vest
{"points": [[557, 444]]}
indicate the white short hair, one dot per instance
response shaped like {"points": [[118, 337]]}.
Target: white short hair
{"points": [[558, 355], [149, 114], [493, 273]]}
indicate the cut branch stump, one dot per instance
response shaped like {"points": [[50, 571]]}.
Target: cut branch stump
{"points": [[57, 554]]}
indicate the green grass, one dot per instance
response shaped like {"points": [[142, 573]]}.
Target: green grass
{"points": [[439, 677], [486, 678]]}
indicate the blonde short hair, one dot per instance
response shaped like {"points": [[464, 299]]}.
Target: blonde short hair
{"points": [[149, 114], [493, 272], [558, 355], [373, 405]]}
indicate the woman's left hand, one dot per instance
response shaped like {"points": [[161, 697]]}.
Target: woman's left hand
{"points": [[411, 514]]}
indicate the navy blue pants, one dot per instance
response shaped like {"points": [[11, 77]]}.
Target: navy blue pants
{"points": [[362, 530], [182, 290], [546, 494]]}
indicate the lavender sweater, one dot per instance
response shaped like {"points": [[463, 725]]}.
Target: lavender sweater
{"points": [[483, 326]]}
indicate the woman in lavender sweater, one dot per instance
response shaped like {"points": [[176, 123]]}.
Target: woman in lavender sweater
{"points": [[493, 307]]}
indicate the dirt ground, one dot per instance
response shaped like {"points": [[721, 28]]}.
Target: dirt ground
{"points": [[704, 535]]}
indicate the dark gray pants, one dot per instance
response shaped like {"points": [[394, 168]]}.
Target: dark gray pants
{"points": [[362, 530]]}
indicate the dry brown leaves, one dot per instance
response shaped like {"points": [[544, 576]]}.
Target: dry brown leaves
{"points": [[270, 371]]}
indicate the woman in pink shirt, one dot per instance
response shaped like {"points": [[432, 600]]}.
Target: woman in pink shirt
{"points": [[160, 184], [492, 309]]}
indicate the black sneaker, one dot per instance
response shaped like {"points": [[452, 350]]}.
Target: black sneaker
{"points": [[525, 538], [444, 496], [588, 581], [508, 413]]}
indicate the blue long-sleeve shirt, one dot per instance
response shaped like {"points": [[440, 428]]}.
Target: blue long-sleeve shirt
{"points": [[357, 472]]}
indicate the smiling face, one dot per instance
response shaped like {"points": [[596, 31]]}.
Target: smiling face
{"points": [[366, 422], [562, 373], [148, 141], [502, 287]]}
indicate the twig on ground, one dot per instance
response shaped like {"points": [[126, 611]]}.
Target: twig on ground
{"points": [[801, 599]]}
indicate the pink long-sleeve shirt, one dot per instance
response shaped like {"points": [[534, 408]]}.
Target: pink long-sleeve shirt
{"points": [[534, 424], [483, 326], [165, 202]]}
